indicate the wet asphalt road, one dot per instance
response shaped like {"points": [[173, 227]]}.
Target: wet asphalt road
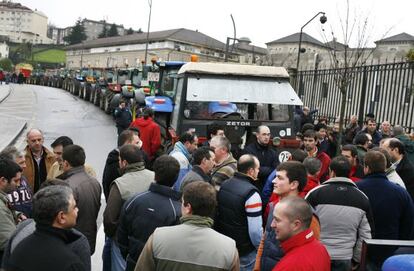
{"points": [[57, 112]]}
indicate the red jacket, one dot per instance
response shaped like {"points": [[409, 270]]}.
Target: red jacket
{"points": [[311, 183], [303, 253], [150, 135], [325, 160]]}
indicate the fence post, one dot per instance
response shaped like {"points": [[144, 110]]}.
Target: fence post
{"points": [[363, 97]]}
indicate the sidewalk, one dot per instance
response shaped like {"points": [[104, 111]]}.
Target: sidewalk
{"points": [[11, 128]]}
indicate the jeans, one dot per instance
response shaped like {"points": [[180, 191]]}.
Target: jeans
{"points": [[247, 261], [341, 265], [117, 261], [106, 255]]}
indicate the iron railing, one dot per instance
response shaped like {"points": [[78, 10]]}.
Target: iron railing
{"points": [[385, 90]]}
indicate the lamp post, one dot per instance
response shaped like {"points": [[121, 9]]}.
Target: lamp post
{"points": [[322, 19], [149, 23]]}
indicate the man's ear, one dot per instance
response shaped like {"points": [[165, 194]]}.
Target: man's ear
{"points": [[188, 210], [294, 185], [60, 218]]}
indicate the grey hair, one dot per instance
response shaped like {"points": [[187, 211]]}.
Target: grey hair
{"points": [[11, 152], [222, 142], [49, 201], [34, 129], [398, 130], [312, 165]]}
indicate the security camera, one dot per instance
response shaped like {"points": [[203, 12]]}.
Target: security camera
{"points": [[323, 19]]}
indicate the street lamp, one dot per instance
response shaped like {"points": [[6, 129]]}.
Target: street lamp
{"points": [[226, 54], [323, 20], [149, 22]]}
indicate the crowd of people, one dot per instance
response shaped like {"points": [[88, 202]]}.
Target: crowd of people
{"points": [[199, 207]]}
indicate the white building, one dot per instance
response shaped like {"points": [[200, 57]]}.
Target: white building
{"points": [[21, 24]]}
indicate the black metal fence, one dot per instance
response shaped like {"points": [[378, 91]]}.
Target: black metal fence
{"points": [[385, 90]]}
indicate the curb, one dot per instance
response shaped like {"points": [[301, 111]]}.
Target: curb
{"points": [[17, 134], [7, 95]]}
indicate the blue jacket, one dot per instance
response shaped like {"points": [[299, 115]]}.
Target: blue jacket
{"points": [[393, 212]]}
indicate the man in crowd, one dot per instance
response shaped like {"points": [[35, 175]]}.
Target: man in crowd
{"points": [[400, 134], [86, 190], [55, 212], [371, 129], [400, 162], [310, 142], [111, 170], [351, 129], [20, 198], [135, 179], [240, 210], [143, 213], [78, 243], [203, 164], [9, 173], [57, 147], [149, 131], [265, 153], [290, 181], [390, 171], [212, 131], [225, 164], [39, 159], [291, 221], [123, 116], [182, 151], [357, 170], [386, 129], [193, 245], [345, 215], [392, 207], [363, 143], [313, 166]]}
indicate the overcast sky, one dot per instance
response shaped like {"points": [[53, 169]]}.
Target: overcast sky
{"points": [[260, 20]]}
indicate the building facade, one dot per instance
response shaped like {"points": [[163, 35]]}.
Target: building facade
{"points": [[175, 44], [284, 52], [94, 28], [21, 24]]}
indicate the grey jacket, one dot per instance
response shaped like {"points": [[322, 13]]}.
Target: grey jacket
{"points": [[87, 192], [345, 216]]}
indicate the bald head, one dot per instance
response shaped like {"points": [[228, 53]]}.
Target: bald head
{"points": [[248, 164], [291, 216], [297, 208], [35, 140]]}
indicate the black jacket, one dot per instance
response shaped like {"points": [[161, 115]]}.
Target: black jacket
{"points": [[141, 215], [111, 171], [406, 171], [232, 219], [46, 249], [267, 157], [123, 117]]}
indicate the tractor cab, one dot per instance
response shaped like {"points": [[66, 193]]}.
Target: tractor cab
{"points": [[237, 97]]}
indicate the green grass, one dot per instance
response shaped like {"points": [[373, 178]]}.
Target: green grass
{"points": [[50, 56]]}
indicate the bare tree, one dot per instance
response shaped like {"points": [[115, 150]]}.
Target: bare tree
{"points": [[356, 31]]}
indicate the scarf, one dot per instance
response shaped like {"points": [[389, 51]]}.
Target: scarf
{"points": [[196, 220]]}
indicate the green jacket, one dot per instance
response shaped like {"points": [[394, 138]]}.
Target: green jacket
{"points": [[8, 221]]}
